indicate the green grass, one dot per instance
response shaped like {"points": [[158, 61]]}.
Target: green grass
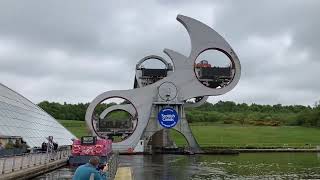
{"points": [[219, 135], [78, 128], [254, 136]]}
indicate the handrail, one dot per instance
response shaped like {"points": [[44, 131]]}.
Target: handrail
{"points": [[14, 163], [113, 163]]}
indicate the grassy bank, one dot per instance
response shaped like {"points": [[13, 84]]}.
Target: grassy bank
{"points": [[220, 135], [252, 136], [78, 128]]}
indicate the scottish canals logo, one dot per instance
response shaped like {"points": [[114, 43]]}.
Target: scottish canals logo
{"points": [[168, 117]]}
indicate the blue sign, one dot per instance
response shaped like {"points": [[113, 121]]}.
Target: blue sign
{"points": [[168, 117]]}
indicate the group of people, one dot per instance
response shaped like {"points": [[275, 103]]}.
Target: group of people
{"points": [[91, 170], [14, 144], [44, 146]]}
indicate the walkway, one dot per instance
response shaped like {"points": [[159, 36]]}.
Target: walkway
{"points": [[124, 173], [31, 165]]}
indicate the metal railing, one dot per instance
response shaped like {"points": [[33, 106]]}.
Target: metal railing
{"points": [[11, 152], [113, 163], [10, 164]]}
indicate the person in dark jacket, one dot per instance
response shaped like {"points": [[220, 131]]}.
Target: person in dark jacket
{"points": [[89, 171], [55, 146], [44, 147]]}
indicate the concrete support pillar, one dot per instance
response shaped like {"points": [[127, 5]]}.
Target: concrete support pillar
{"points": [[157, 136]]}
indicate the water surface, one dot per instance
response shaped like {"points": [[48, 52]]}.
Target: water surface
{"points": [[243, 166]]}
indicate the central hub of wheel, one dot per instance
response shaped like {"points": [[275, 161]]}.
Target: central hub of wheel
{"points": [[167, 91]]}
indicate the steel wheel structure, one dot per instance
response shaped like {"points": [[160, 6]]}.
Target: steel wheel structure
{"points": [[171, 91]]}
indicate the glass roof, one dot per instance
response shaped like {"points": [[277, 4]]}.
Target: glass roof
{"points": [[20, 117]]}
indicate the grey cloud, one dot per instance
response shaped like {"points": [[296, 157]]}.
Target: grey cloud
{"points": [[50, 50]]}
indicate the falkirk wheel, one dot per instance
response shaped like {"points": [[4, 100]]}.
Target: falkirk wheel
{"points": [[157, 102]]}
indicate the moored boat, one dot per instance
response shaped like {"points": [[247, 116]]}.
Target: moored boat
{"points": [[86, 147]]}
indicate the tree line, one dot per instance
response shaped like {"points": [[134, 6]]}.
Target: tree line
{"points": [[67, 111], [226, 112]]}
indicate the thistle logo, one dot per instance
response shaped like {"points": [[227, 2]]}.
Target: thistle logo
{"points": [[168, 117]]}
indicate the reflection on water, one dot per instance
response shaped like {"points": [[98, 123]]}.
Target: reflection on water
{"points": [[243, 166], [62, 173]]}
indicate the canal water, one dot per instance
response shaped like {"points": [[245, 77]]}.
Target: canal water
{"points": [[196, 167]]}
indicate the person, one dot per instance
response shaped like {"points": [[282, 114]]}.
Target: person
{"points": [[89, 171], [55, 146], [1, 146], [44, 147], [16, 144]]}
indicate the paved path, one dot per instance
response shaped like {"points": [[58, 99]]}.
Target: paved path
{"points": [[124, 173], [278, 150]]}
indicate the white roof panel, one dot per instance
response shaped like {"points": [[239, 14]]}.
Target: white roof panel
{"points": [[20, 117]]}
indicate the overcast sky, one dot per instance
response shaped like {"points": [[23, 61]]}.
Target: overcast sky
{"points": [[74, 50]]}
